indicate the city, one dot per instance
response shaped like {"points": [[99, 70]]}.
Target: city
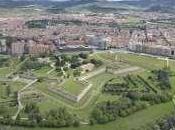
{"points": [[87, 64]]}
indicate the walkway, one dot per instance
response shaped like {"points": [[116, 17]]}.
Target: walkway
{"points": [[20, 106]]}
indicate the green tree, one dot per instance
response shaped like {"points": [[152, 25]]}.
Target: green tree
{"points": [[77, 73], [8, 90]]}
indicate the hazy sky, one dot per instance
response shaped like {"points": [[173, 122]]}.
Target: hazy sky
{"points": [[68, 0]]}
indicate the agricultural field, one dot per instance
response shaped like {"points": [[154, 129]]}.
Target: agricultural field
{"points": [[139, 87]]}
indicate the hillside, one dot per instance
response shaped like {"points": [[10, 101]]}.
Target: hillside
{"points": [[106, 6], [165, 6]]}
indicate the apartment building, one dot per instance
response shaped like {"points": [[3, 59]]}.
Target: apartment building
{"points": [[3, 46], [17, 48]]}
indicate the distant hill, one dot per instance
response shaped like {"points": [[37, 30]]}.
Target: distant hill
{"points": [[58, 3], [19, 3], [153, 5], [110, 5]]}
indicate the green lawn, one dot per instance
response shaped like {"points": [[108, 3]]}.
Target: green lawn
{"points": [[173, 83], [144, 61], [136, 60], [131, 19], [9, 110], [107, 97], [1, 55], [14, 87], [96, 96], [43, 71], [6, 100], [136, 120], [53, 100], [72, 86], [9, 66], [4, 71], [53, 74]]}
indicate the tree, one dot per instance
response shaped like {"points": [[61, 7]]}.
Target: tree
{"points": [[3, 109], [8, 90], [15, 96], [76, 73], [96, 62], [74, 59], [33, 112], [60, 118], [83, 55], [99, 116], [30, 106], [66, 58], [76, 123], [60, 62]]}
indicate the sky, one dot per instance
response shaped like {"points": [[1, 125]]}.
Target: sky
{"points": [[68, 0]]}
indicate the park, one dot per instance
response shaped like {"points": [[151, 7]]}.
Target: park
{"points": [[96, 90]]}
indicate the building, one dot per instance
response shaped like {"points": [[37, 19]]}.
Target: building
{"points": [[97, 42], [154, 50], [17, 48], [3, 46], [87, 67], [36, 49]]}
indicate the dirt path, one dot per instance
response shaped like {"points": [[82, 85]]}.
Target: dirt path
{"points": [[53, 68], [20, 106], [92, 74], [127, 70], [17, 67]]}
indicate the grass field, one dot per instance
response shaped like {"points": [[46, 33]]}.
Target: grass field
{"points": [[72, 86], [8, 66], [53, 100], [4, 71], [144, 61], [14, 86], [42, 71], [137, 120], [7, 100]]}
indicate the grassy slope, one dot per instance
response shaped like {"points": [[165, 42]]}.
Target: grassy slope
{"points": [[74, 87], [145, 61], [43, 71], [134, 121], [14, 86], [99, 81], [12, 63], [4, 71]]}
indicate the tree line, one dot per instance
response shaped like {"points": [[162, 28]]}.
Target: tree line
{"points": [[55, 118]]}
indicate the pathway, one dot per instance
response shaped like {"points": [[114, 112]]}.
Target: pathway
{"points": [[17, 67], [20, 106]]}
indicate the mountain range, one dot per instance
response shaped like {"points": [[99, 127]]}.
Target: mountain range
{"points": [[147, 5]]}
